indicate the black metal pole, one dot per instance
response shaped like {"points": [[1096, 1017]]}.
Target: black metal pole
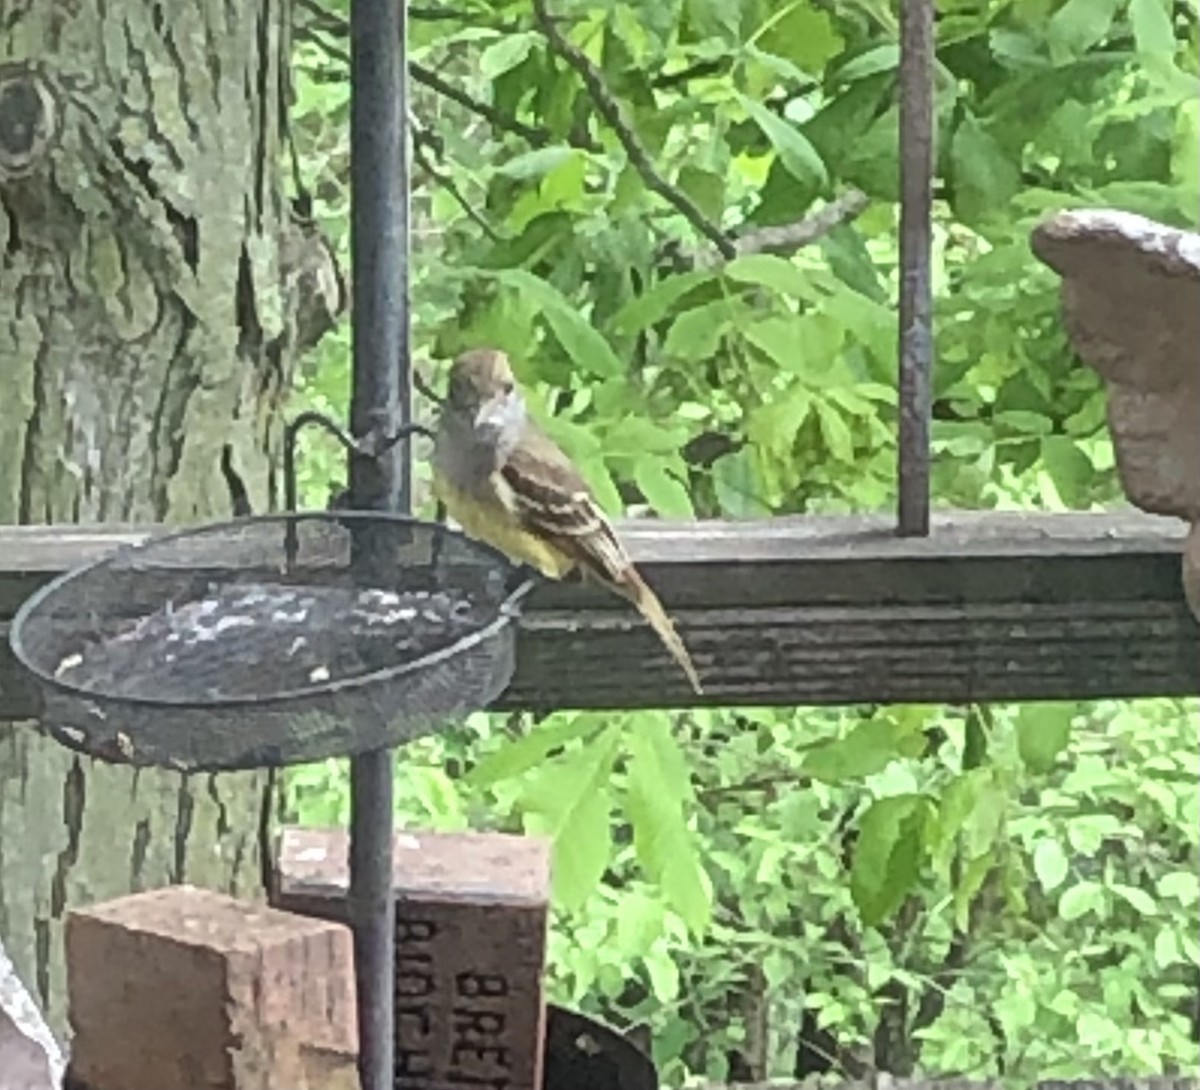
{"points": [[380, 403], [917, 138]]}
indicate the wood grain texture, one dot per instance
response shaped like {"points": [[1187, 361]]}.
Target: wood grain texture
{"points": [[150, 314], [824, 611]]}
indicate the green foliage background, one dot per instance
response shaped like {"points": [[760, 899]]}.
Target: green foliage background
{"points": [[913, 889]]}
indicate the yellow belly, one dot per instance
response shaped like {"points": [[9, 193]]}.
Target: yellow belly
{"points": [[494, 523]]}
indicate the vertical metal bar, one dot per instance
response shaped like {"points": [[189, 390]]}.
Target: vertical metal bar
{"points": [[917, 137], [372, 907], [380, 403], [379, 229]]}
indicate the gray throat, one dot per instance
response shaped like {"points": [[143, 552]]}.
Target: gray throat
{"points": [[464, 459]]}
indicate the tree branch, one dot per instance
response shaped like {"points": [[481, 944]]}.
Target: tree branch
{"points": [[538, 137], [787, 238], [319, 23], [424, 160], [610, 109]]}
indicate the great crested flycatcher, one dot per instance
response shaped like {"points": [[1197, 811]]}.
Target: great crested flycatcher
{"points": [[507, 483]]}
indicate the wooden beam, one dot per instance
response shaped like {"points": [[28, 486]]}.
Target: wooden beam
{"points": [[802, 611]]}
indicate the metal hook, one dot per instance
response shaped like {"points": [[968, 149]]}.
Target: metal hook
{"points": [[349, 444]]}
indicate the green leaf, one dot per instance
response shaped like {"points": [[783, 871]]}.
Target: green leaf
{"points": [[664, 844], [772, 426], [563, 185], [601, 482], [639, 924], [1152, 27], [738, 487], [836, 432], [1080, 900], [439, 795], [802, 34], [869, 748], [506, 53], [518, 755], [695, 334], [1069, 467], [778, 339], [537, 163], [1095, 1032], [706, 188], [1022, 421], [1043, 731], [1078, 25], [651, 306], [1166, 949], [983, 178], [973, 876], [773, 272], [664, 977], [639, 435], [870, 323], [958, 800], [1182, 886], [1138, 899], [715, 20], [544, 235], [587, 348], [1050, 864], [790, 144], [663, 491], [982, 825], [883, 58], [568, 801], [1185, 153], [887, 855], [1087, 832]]}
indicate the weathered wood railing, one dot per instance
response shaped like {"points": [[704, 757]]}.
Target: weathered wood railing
{"points": [[992, 606]]}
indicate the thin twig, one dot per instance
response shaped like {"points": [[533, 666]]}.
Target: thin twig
{"points": [[422, 386], [450, 186], [538, 137], [321, 23], [610, 109]]}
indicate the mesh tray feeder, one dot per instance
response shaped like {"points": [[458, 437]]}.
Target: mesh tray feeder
{"points": [[271, 640]]}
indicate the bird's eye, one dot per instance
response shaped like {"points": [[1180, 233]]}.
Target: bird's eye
{"points": [[507, 388]]}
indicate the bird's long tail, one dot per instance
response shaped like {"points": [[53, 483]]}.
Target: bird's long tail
{"points": [[635, 588]]}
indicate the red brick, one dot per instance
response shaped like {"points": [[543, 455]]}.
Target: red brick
{"points": [[471, 916], [181, 988]]}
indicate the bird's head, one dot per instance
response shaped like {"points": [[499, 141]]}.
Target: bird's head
{"points": [[483, 393]]}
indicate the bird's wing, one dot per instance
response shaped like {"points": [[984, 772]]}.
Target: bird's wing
{"points": [[553, 500]]}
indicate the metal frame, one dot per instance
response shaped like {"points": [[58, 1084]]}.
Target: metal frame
{"points": [[917, 157]]}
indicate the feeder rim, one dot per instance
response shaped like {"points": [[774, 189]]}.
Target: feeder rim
{"points": [[507, 612]]}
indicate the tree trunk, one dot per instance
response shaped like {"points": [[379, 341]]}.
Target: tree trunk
{"points": [[153, 288]]}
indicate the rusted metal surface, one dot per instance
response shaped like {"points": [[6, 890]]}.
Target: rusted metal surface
{"points": [[471, 917], [917, 139]]}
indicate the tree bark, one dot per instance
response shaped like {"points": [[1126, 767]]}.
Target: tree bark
{"points": [[153, 293]]}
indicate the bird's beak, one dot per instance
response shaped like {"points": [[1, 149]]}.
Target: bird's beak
{"points": [[492, 414]]}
